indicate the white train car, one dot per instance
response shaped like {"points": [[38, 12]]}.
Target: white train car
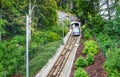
{"points": [[75, 25]]}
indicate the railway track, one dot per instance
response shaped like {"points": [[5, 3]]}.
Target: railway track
{"points": [[63, 57]]}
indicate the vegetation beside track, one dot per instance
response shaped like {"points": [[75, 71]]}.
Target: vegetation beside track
{"points": [[106, 32]]}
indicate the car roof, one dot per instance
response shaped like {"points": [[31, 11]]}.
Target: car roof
{"points": [[75, 22]]}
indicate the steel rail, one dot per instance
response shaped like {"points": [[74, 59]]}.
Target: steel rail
{"points": [[59, 58], [63, 57], [67, 57]]}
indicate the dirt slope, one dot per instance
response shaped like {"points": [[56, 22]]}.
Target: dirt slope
{"points": [[94, 70]]}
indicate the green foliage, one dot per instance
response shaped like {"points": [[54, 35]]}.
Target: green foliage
{"points": [[2, 24], [52, 36], [114, 73], [90, 58], [112, 62], [107, 35], [84, 7], [12, 12], [81, 62], [1, 54], [87, 34], [64, 5], [96, 23], [12, 26], [1, 67], [1, 74], [13, 54], [46, 13], [80, 72], [18, 40], [40, 56], [112, 27], [90, 47], [83, 27], [39, 36], [105, 41], [58, 30], [48, 35]]}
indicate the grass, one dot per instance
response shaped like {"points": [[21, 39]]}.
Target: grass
{"points": [[44, 53]]}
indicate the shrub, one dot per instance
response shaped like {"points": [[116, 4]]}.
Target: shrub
{"points": [[45, 37], [90, 47], [105, 41], [1, 74], [18, 39], [39, 37], [114, 74], [1, 67], [112, 64], [83, 27], [90, 58], [52, 36], [87, 34], [1, 54], [59, 29], [80, 73], [40, 56], [81, 62]]}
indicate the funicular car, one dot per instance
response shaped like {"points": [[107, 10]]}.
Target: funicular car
{"points": [[75, 25]]}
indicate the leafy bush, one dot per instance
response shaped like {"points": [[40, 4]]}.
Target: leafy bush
{"points": [[96, 22], [13, 54], [80, 73], [1, 54], [112, 27], [87, 34], [114, 73], [49, 35], [81, 62], [45, 37], [90, 47], [112, 59], [1, 74], [59, 29], [40, 56], [83, 27], [1, 67], [90, 58], [52, 36], [39, 37], [104, 41], [18, 40]]}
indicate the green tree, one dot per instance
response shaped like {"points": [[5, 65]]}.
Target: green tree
{"points": [[45, 14], [14, 14], [64, 4], [84, 7], [2, 24]]}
